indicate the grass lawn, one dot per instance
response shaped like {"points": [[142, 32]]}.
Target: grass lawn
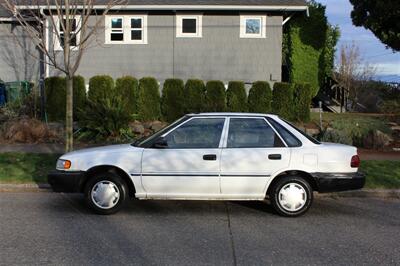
{"points": [[26, 167], [382, 174], [33, 168]]}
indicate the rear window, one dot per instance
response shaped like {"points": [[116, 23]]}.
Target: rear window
{"points": [[303, 133], [289, 138]]}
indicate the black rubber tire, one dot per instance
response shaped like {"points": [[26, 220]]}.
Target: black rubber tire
{"points": [[106, 176], [274, 194]]}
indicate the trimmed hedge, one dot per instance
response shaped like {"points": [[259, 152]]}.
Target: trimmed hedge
{"points": [[55, 98], [100, 87], [215, 96], [194, 96], [302, 100], [260, 97], [172, 104], [128, 88], [282, 100], [79, 96], [55, 91], [149, 99], [236, 98]]}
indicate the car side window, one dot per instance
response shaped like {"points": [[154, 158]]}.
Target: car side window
{"points": [[198, 133], [252, 133]]}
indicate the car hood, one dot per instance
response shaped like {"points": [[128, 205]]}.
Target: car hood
{"points": [[100, 150]]}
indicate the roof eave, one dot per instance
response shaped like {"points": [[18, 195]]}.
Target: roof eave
{"points": [[186, 7]]}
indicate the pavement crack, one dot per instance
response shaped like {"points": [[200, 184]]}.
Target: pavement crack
{"points": [[230, 234]]}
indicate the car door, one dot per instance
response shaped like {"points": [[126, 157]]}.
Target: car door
{"points": [[188, 163], [253, 152]]}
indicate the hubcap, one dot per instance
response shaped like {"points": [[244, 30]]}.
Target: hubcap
{"points": [[292, 197], [105, 194]]}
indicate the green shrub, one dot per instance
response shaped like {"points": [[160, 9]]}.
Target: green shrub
{"points": [[172, 102], [106, 119], [100, 87], [149, 99], [282, 100], [260, 97], [194, 96], [55, 98], [337, 136], [215, 96], [79, 96], [128, 88], [55, 90], [236, 98], [301, 101]]}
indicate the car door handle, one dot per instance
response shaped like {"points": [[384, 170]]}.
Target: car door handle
{"points": [[274, 156], [209, 157]]}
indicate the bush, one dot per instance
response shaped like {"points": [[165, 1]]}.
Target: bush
{"points": [[55, 90], [172, 99], [236, 98], [282, 100], [215, 96], [337, 136], [128, 88], [149, 99], [194, 96], [100, 88], [260, 97], [79, 96], [55, 98], [302, 100], [106, 119]]}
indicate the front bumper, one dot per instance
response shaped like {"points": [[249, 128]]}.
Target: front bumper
{"points": [[64, 181], [334, 182]]}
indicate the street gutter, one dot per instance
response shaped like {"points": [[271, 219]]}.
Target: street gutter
{"points": [[364, 193]]}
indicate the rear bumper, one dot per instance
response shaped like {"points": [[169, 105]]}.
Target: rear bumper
{"points": [[334, 182], [63, 181]]}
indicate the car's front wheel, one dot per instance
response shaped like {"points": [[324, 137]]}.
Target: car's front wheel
{"points": [[291, 196], [106, 193]]}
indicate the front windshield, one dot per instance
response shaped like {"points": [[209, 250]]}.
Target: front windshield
{"points": [[144, 141]]}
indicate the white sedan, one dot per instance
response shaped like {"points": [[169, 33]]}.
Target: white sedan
{"points": [[212, 156]]}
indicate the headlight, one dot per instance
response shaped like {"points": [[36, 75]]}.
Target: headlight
{"points": [[63, 164]]}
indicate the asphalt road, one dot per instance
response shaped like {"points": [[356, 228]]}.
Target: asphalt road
{"points": [[50, 228]]}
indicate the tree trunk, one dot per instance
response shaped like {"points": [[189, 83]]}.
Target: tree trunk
{"points": [[69, 138]]}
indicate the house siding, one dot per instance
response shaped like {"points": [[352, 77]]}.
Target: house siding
{"points": [[17, 58], [219, 54]]}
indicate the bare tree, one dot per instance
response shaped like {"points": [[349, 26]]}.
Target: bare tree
{"points": [[62, 30], [352, 71]]}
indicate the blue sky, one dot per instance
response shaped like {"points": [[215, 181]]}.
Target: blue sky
{"points": [[372, 50]]}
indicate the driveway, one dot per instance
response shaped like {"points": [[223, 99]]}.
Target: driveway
{"points": [[50, 228]]}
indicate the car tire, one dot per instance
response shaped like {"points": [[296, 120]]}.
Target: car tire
{"points": [[291, 196], [106, 193]]}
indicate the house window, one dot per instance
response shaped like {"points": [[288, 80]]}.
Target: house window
{"points": [[189, 26], [74, 33], [252, 26], [126, 29]]}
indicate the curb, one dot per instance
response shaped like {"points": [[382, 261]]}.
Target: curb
{"points": [[365, 193], [25, 188]]}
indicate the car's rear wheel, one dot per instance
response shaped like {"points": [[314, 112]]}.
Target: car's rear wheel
{"points": [[291, 196], [106, 193]]}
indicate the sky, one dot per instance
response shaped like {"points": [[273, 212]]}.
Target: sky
{"points": [[372, 50]]}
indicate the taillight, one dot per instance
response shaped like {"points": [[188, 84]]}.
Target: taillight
{"points": [[355, 161]]}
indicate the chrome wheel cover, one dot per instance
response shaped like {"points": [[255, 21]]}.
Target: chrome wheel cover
{"points": [[292, 197], [105, 194]]}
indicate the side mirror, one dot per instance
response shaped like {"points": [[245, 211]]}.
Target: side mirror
{"points": [[160, 143]]}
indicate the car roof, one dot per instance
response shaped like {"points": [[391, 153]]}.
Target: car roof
{"points": [[231, 114]]}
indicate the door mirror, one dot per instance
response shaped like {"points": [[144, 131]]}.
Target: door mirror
{"points": [[160, 143]]}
